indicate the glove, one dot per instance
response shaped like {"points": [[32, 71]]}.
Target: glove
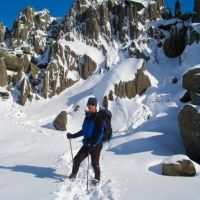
{"points": [[69, 136]]}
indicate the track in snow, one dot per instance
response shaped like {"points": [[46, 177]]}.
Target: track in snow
{"points": [[77, 190]]}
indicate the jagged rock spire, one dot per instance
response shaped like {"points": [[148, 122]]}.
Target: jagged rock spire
{"points": [[178, 9], [1, 33], [197, 10]]}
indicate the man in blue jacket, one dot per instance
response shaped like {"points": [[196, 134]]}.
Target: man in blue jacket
{"points": [[92, 131]]}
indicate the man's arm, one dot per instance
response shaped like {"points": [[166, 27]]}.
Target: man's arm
{"points": [[78, 134]]}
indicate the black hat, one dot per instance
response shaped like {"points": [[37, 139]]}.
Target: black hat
{"points": [[92, 101]]}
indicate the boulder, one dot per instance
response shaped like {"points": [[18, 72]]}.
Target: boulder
{"points": [[178, 166], [110, 96], [190, 82], [189, 125], [186, 97], [3, 73], [195, 98], [61, 121], [191, 79]]}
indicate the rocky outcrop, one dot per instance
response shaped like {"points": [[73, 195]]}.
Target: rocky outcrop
{"points": [[3, 73], [181, 167], [176, 43], [196, 17], [134, 51], [189, 124], [39, 43], [25, 92], [136, 86], [46, 84], [87, 67], [35, 71], [40, 51], [55, 80], [71, 58], [61, 121], [15, 63], [193, 36], [92, 27], [154, 11], [166, 13], [28, 21], [23, 26], [190, 82], [2, 33], [178, 12], [42, 20], [104, 20]]}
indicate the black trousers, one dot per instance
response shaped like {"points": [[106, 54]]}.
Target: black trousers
{"points": [[84, 153]]}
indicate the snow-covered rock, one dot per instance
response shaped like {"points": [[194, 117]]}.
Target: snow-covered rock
{"points": [[178, 165]]}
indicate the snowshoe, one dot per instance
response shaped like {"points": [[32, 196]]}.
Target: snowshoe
{"points": [[72, 177], [94, 182]]}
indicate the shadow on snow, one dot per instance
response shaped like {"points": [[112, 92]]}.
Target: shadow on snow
{"points": [[39, 172]]}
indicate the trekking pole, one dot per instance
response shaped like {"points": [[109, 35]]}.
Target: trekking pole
{"points": [[71, 150], [88, 174]]}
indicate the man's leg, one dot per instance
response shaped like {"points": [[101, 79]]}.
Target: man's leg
{"points": [[80, 156], [95, 155]]}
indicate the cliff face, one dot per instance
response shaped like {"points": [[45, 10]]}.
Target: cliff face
{"points": [[44, 57]]}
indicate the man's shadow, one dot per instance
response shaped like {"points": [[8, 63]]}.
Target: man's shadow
{"points": [[39, 172]]}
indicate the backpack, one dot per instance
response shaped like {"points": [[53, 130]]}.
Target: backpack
{"points": [[106, 115]]}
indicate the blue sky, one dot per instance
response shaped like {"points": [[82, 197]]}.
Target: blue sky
{"points": [[9, 9]]}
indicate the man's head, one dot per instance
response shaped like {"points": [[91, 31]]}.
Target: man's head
{"points": [[92, 104]]}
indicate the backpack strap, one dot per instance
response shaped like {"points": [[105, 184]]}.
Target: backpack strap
{"points": [[99, 125]]}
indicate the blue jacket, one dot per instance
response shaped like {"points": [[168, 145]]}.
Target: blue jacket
{"points": [[91, 130]]}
